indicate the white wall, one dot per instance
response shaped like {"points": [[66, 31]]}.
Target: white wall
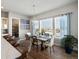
{"points": [[13, 15], [65, 9], [8, 51]]}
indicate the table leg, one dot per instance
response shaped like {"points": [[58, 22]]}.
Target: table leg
{"points": [[42, 48]]}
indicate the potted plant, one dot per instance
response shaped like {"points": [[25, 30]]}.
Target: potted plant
{"points": [[68, 42]]}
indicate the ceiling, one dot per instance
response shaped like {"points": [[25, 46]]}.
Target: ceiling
{"points": [[25, 7]]}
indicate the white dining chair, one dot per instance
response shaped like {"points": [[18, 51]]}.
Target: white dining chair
{"points": [[50, 44], [30, 46]]}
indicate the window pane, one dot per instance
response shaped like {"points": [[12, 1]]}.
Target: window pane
{"points": [[35, 27], [25, 24], [46, 26], [61, 26]]}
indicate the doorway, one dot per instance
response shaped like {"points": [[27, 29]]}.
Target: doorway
{"points": [[15, 27]]}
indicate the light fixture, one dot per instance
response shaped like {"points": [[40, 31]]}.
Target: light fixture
{"points": [[34, 6], [5, 26], [2, 7]]}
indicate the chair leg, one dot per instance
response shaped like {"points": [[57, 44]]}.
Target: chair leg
{"points": [[50, 50], [53, 49], [27, 55], [37, 47]]}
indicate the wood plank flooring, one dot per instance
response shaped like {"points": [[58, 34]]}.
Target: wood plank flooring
{"points": [[58, 53]]}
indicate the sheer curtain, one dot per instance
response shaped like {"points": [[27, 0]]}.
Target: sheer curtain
{"points": [[69, 24], [62, 25]]}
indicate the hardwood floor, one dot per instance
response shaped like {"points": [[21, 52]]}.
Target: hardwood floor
{"points": [[35, 53], [58, 53]]}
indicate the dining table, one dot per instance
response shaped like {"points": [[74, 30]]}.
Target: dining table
{"points": [[43, 40]]}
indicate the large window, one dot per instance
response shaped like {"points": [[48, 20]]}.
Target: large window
{"points": [[35, 27], [42, 27], [60, 26], [57, 26], [46, 26]]}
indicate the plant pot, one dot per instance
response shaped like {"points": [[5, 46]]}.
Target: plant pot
{"points": [[68, 50]]}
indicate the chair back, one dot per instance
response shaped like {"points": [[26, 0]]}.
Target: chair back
{"points": [[27, 37], [30, 45], [34, 39], [51, 41]]}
